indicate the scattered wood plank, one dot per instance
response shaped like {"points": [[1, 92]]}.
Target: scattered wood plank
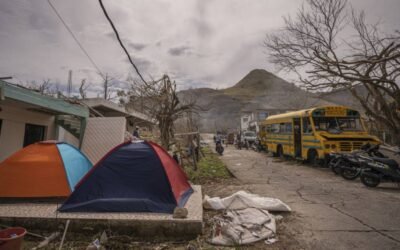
{"points": [[47, 240]]}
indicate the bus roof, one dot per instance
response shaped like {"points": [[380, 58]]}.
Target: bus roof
{"points": [[299, 113]]}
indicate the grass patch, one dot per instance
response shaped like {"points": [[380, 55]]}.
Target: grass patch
{"points": [[209, 168]]}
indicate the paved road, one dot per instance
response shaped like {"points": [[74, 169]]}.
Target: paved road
{"points": [[329, 212]]}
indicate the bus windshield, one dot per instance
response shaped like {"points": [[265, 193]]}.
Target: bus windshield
{"points": [[337, 124]]}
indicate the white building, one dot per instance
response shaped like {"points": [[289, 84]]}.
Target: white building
{"points": [[93, 125], [254, 113], [27, 117]]}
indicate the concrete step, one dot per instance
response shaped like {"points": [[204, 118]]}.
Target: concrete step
{"points": [[45, 217]]}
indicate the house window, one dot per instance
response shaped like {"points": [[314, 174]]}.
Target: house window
{"points": [[33, 133]]}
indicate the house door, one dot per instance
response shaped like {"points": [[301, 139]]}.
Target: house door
{"points": [[33, 133], [297, 137]]}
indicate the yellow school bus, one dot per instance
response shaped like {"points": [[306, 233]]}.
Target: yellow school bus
{"points": [[311, 134]]}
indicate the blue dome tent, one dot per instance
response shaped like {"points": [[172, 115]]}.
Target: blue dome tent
{"points": [[132, 177]]}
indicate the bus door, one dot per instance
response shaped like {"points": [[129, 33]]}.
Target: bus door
{"points": [[297, 136]]}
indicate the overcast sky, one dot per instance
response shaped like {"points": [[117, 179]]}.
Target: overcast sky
{"points": [[199, 43]]}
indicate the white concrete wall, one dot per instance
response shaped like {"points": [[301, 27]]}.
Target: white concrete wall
{"points": [[13, 128], [65, 136], [101, 135]]}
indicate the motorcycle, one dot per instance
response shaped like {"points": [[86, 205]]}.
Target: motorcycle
{"points": [[242, 144], [238, 145], [349, 166], [257, 146], [219, 148], [377, 170]]}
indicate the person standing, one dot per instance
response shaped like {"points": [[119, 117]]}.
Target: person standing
{"points": [[136, 132]]}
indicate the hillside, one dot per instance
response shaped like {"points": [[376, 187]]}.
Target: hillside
{"points": [[258, 89], [345, 98]]}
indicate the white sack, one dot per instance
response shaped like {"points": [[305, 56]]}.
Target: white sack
{"points": [[242, 227], [242, 200]]}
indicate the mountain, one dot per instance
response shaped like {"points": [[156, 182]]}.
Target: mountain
{"points": [[259, 89], [345, 98]]}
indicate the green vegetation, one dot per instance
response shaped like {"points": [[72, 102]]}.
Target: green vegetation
{"points": [[209, 168]]}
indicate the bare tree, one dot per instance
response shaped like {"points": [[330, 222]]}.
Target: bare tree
{"points": [[45, 87], [314, 46], [160, 101], [108, 86], [83, 88]]}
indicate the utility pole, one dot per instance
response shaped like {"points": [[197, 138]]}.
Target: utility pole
{"points": [[69, 89]]}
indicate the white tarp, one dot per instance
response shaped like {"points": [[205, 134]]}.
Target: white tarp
{"points": [[246, 219], [242, 200]]}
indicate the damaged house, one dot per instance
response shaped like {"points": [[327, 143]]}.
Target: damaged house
{"points": [[93, 125]]}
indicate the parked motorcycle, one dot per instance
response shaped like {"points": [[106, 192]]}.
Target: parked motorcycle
{"points": [[377, 170], [238, 145], [219, 148], [257, 146], [334, 160], [245, 144], [349, 166]]}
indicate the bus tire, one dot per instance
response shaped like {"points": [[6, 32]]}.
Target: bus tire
{"points": [[312, 157], [274, 152]]}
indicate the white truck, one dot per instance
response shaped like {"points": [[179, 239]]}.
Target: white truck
{"points": [[249, 136]]}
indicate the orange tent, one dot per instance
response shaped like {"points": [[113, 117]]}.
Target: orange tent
{"points": [[46, 169]]}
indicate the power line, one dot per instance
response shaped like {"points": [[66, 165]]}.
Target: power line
{"points": [[74, 37], [120, 42]]}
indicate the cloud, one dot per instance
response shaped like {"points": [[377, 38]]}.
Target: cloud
{"points": [[202, 27], [197, 42], [179, 51], [137, 46], [143, 63]]}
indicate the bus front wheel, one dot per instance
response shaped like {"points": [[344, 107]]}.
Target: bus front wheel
{"points": [[312, 157]]}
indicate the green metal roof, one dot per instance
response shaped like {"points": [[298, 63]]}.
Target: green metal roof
{"points": [[13, 92]]}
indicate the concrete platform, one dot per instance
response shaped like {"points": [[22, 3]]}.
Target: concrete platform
{"points": [[45, 217]]}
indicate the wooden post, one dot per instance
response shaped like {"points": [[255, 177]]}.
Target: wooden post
{"points": [[194, 156]]}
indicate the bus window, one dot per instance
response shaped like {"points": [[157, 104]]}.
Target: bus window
{"points": [[349, 124], [288, 128], [282, 128], [338, 123], [275, 128], [307, 129]]}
